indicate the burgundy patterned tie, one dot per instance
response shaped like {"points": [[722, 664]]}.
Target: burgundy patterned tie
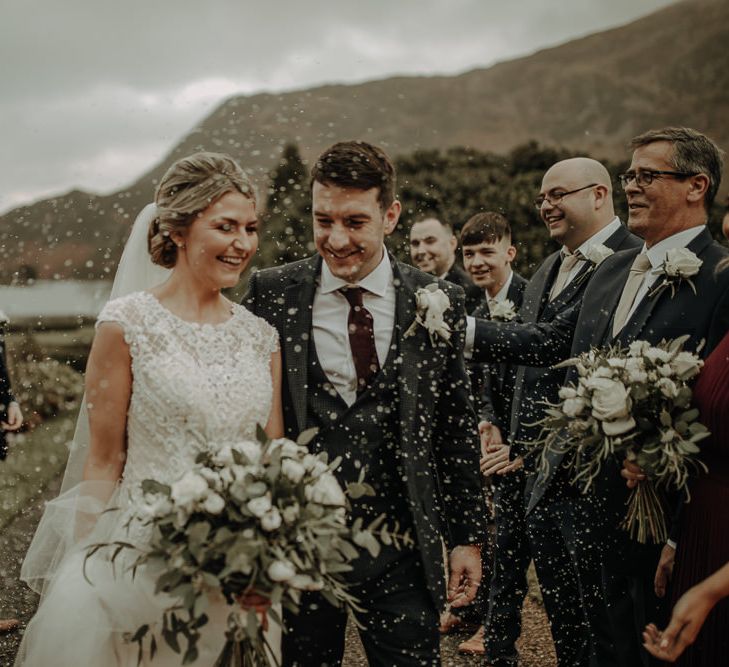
{"points": [[361, 338]]}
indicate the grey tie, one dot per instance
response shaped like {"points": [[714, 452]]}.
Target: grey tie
{"points": [[641, 266], [560, 282], [492, 304]]}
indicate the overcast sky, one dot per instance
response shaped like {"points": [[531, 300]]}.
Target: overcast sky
{"points": [[94, 92]]}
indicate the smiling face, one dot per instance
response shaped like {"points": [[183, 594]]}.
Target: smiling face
{"points": [[350, 229], [489, 263], [658, 210], [217, 247], [571, 220], [432, 246]]}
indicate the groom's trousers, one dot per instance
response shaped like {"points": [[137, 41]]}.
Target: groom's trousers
{"points": [[400, 619]]}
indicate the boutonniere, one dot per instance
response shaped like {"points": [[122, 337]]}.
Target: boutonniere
{"points": [[595, 254], [431, 302], [502, 311], [680, 265]]}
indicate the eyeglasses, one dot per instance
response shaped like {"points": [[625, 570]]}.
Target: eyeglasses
{"points": [[644, 177], [553, 198]]}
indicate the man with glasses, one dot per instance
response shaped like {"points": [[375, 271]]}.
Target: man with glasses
{"points": [[575, 203]]}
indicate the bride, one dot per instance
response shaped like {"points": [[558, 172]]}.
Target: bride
{"points": [[171, 368]]}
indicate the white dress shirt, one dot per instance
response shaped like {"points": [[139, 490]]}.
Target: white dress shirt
{"points": [[599, 237], [657, 255], [502, 293], [329, 323]]}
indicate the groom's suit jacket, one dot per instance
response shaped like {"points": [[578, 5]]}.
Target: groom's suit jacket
{"points": [[437, 449], [703, 317], [532, 343]]}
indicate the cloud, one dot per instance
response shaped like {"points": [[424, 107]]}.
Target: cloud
{"points": [[95, 91]]}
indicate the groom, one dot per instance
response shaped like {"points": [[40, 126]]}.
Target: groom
{"points": [[394, 403]]}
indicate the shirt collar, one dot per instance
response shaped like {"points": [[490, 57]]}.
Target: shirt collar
{"points": [[376, 282], [504, 291], [657, 253], [600, 236]]}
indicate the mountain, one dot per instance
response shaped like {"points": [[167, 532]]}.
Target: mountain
{"points": [[589, 95]]}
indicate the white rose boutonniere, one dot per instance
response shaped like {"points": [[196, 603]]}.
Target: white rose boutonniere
{"points": [[503, 311], [680, 265], [597, 253], [431, 302]]}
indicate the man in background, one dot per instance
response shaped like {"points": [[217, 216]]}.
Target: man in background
{"points": [[433, 246]]}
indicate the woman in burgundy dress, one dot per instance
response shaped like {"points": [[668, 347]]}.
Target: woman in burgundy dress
{"points": [[703, 544]]}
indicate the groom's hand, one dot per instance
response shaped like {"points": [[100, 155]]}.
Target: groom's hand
{"points": [[465, 574]]}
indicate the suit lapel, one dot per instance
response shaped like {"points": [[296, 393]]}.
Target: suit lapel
{"points": [[299, 303], [536, 292], [645, 308]]}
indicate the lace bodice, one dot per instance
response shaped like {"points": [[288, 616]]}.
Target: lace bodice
{"points": [[194, 385]]}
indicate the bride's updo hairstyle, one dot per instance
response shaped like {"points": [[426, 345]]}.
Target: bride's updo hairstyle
{"points": [[188, 187]]}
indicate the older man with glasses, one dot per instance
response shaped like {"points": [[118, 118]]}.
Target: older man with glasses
{"points": [[575, 203]]}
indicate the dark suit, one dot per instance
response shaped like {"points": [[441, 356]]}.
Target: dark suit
{"points": [[415, 430], [6, 394], [629, 566], [572, 594], [474, 294]]}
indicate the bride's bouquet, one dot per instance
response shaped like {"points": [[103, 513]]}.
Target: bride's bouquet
{"points": [[632, 403], [255, 522]]}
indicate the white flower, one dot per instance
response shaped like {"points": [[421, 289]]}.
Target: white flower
{"points": [[573, 406], [281, 570], [668, 387], [618, 426], [503, 311], [294, 470], [224, 456], [288, 447], [259, 506], [567, 392], [156, 504], [431, 303], [214, 504], [313, 465], [681, 263], [610, 399], [325, 491], [656, 354], [189, 489], [251, 450], [290, 513], [636, 370], [638, 347], [686, 365], [271, 520], [597, 253], [304, 582]]}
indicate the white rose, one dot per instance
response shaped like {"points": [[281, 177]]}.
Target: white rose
{"points": [[294, 470], [656, 354], [325, 491], [686, 365], [288, 447], [224, 456], [638, 347], [290, 513], [251, 450], [610, 399], [189, 489], [573, 406], [433, 302], [615, 362], [618, 426], [314, 465], [271, 520], [668, 387], [597, 253], [304, 582], [567, 392], [681, 262], [214, 504], [281, 570], [503, 310], [259, 506], [155, 504], [636, 370]]}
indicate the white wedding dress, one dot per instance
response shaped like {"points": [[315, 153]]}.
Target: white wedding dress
{"points": [[193, 386]]}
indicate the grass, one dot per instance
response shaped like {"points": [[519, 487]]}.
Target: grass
{"points": [[35, 458]]}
